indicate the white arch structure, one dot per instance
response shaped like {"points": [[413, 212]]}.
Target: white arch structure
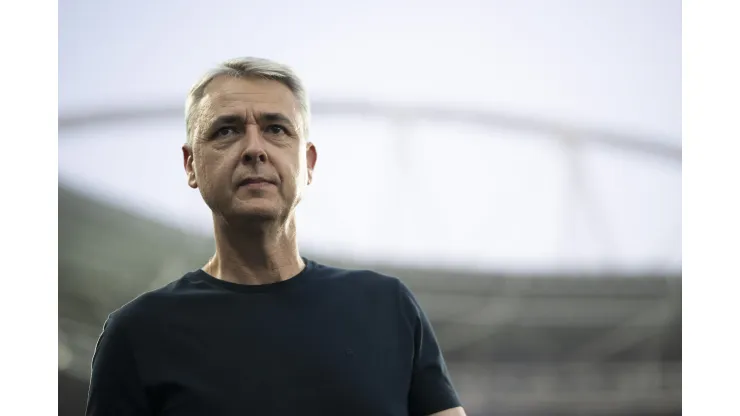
{"points": [[401, 123]]}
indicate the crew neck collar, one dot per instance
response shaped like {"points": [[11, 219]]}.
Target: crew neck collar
{"points": [[202, 275]]}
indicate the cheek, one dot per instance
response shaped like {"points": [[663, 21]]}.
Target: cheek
{"points": [[299, 172], [209, 170]]}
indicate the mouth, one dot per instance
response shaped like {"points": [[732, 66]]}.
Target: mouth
{"points": [[255, 182]]}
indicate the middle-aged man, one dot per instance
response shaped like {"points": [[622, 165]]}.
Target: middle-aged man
{"points": [[260, 330]]}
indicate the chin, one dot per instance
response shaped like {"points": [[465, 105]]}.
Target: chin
{"points": [[256, 211]]}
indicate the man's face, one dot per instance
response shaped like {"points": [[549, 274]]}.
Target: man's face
{"points": [[248, 156]]}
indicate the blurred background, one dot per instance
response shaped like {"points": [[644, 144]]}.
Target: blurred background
{"points": [[516, 163]]}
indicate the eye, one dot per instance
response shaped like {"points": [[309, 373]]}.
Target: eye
{"points": [[224, 132], [276, 129]]}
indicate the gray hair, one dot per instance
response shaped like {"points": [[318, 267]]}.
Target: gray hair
{"points": [[248, 67]]}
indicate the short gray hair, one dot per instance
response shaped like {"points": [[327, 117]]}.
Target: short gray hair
{"points": [[248, 67]]}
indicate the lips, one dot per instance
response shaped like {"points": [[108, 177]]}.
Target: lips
{"points": [[255, 180]]}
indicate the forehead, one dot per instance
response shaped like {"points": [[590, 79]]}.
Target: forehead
{"points": [[227, 94]]}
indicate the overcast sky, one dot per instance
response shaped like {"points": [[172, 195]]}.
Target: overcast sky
{"points": [[609, 64]]}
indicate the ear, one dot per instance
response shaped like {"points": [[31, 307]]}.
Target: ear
{"points": [[310, 160], [187, 158]]}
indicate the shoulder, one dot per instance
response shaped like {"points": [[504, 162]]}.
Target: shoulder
{"points": [[361, 279], [149, 305], [372, 286]]}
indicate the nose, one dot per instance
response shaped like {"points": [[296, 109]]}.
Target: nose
{"points": [[254, 150]]}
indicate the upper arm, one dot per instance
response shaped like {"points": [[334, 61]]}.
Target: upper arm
{"points": [[431, 390], [115, 384]]}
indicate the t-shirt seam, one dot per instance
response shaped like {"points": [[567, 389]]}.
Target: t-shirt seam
{"points": [[193, 278]]}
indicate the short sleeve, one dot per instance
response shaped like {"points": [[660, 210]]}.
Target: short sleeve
{"points": [[115, 385], [431, 389]]}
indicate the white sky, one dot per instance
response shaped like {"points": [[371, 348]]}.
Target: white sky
{"points": [[611, 64]]}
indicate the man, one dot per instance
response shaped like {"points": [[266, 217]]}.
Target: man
{"points": [[260, 330]]}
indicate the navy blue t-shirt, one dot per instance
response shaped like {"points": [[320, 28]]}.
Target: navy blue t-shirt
{"points": [[328, 341]]}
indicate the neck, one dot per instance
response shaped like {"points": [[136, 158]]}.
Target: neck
{"points": [[255, 253]]}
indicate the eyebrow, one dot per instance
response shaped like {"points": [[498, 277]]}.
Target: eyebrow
{"points": [[262, 118], [274, 118]]}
